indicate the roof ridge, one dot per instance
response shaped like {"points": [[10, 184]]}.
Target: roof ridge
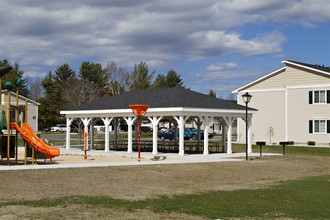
{"points": [[314, 66]]}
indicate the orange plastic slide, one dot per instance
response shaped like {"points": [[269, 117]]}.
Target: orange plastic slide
{"points": [[28, 134]]}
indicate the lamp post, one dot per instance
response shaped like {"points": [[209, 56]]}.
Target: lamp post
{"points": [[246, 98], [139, 110]]}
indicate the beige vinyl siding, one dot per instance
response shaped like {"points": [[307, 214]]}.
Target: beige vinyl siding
{"points": [[300, 112], [268, 124], [283, 103], [32, 118], [291, 77]]}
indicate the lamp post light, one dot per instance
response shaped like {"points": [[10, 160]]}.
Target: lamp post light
{"points": [[246, 98], [139, 110]]}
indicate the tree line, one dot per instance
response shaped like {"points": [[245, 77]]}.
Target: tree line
{"points": [[65, 88]]}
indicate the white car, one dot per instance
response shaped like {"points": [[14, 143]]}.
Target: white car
{"points": [[58, 128]]}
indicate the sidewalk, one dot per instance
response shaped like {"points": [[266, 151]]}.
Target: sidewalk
{"points": [[74, 158]]}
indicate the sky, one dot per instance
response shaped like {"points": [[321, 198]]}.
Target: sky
{"points": [[219, 45]]}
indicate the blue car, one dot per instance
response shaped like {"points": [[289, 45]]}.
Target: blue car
{"points": [[195, 133], [170, 134]]}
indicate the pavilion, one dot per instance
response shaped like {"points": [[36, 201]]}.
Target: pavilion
{"points": [[176, 103]]}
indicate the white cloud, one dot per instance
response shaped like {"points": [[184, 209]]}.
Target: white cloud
{"points": [[219, 72], [304, 12], [214, 43], [222, 66], [50, 33]]}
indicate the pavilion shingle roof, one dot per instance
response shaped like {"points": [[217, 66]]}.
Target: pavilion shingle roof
{"points": [[161, 98]]}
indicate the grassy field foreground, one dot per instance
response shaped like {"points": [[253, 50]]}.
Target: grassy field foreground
{"points": [[294, 186]]}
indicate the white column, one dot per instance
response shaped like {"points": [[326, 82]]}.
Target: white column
{"points": [[68, 123], [154, 121], [229, 122], [181, 135], [92, 133], [223, 134], [129, 121], [106, 122], [181, 121], [86, 123], [206, 121]]}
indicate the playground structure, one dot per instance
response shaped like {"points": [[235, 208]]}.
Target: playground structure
{"points": [[33, 140], [11, 116]]}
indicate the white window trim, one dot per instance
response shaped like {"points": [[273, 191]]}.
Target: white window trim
{"points": [[325, 97], [325, 127]]}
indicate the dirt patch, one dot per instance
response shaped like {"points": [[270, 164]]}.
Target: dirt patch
{"points": [[69, 159], [140, 182]]}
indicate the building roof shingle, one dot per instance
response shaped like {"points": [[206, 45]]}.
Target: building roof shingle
{"points": [[161, 98], [314, 66]]}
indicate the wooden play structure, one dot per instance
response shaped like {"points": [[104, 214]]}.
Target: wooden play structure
{"points": [[13, 120]]}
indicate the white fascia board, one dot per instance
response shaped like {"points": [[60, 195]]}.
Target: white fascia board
{"points": [[306, 67], [265, 90], [214, 111], [258, 80], [117, 111], [152, 111], [94, 112], [5, 92]]}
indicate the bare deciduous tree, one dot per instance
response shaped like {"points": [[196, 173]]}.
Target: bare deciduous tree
{"points": [[35, 89], [118, 76]]}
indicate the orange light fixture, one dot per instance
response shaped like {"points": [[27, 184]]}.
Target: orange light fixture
{"points": [[139, 110]]}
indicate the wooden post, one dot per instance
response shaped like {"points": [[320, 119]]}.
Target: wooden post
{"points": [[8, 127], [25, 144], [139, 138], [16, 133]]}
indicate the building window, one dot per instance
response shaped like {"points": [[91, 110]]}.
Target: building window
{"points": [[320, 126], [319, 96]]}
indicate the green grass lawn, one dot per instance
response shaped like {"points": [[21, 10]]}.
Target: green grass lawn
{"points": [[297, 199], [301, 150], [306, 198]]}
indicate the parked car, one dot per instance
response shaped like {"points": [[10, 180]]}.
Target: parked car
{"points": [[166, 134], [162, 129], [73, 129], [146, 129], [46, 129], [210, 134], [188, 133], [170, 134], [58, 128], [195, 133]]}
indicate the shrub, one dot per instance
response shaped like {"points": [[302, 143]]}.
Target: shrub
{"points": [[290, 142], [311, 143]]}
